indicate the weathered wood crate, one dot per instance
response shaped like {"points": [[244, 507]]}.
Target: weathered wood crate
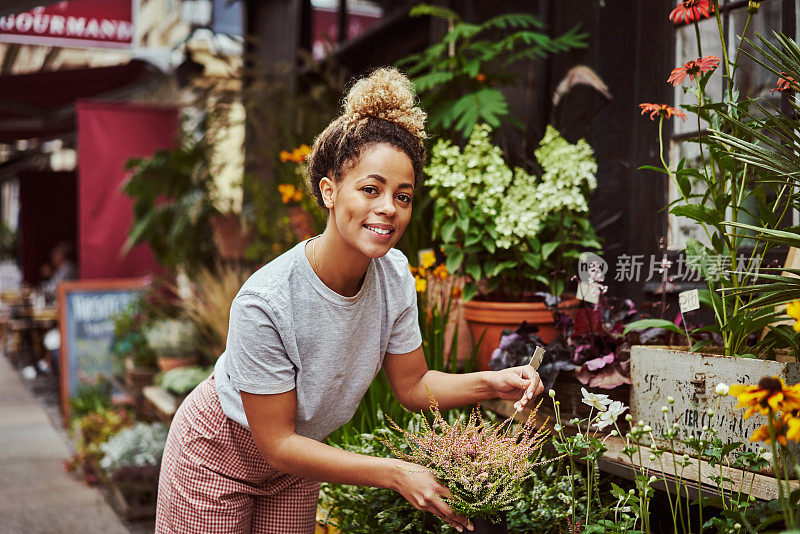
{"points": [[659, 372]]}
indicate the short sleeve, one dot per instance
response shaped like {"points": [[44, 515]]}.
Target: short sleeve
{"points": [[256, 359], [405, 336]]}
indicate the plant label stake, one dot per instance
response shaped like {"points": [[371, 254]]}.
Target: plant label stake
{"points": [[536, 361], [588, 292], [688, 301]]}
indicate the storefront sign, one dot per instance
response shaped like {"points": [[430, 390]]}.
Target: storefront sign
{"points": [[77, 23]]}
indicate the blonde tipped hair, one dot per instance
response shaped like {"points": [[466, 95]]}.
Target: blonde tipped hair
{"points": [[380, 108], [385, 94]]}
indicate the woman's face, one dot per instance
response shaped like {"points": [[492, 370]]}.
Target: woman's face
{"points": [[371, 205]]}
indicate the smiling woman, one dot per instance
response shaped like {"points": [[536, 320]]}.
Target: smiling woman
{"points": [[309, 332]]}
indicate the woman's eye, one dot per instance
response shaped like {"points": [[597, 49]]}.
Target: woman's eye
{"points": [[404, 198], [370, 189]]}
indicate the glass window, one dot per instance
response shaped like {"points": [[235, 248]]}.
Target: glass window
{"points": [[360, 15]]}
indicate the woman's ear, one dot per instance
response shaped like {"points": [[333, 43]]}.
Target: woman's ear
{"points": [[328, 191]]}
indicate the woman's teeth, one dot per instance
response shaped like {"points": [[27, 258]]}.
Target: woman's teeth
{"points": [[379, 230]]}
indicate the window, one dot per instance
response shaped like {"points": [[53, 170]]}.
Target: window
{"points": [[752, 80], [326, 16]]}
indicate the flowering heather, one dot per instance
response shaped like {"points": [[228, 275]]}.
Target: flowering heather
{"points": [[483, 464]]}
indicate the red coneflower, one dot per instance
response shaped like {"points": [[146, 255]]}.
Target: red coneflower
{"points": [[786, 83], [662, 110], [691, 10], [692, 68]]}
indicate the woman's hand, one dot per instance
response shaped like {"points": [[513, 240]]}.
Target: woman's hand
{"points": [[516, 383], [420, 487]]}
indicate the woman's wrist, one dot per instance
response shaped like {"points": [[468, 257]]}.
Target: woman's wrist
{"points": [[486, 389]]}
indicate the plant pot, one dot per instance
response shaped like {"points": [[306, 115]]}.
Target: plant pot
{"points": [[136, 498], [690, 378], [231, 235], [166, 363], [485, 526], [489, 319]]}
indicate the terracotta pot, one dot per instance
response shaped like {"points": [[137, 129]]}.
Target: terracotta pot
{"points": [[231, 235], [165, 363], [489, 319], [484, 526]]}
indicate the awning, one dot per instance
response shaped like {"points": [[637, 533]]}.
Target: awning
{"points": [[42, 104]]}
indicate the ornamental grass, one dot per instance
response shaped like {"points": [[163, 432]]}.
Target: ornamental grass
{"points": [[483, 464]]}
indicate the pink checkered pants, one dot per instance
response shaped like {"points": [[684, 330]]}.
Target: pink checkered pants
{"points": [[214, 480]]}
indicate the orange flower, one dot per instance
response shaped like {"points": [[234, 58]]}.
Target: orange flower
{"points": [[288, 193], [662, 110], [305, 151], [481, 78], [285, 156], [785, 84], [691, 10], [440, 271], [780, 428], [456, 293], [692, 68], [769, 395], [793, 425]]}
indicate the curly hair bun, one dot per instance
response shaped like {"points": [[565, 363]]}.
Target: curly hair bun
{"points": [[385, 94]]}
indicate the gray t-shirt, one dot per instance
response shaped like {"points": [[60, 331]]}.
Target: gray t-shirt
{"points": [[288, 330]]}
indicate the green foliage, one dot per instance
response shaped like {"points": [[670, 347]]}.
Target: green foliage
{"points": [[9, 243], [129, 338], [740, 191], [459, 77], [89, 431], [512, 233], [182, 380], [542, 509], [172, 206]]}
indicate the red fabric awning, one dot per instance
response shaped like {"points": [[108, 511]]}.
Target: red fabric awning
{"points": [[42, 104]]}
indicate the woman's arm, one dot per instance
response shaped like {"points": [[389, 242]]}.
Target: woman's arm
{"points": [[272, 423], [411, 381]]}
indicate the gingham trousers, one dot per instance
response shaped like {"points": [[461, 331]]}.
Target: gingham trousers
{"points": [[214, 480]]}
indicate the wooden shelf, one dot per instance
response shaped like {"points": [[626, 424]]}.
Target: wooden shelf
{"points": [[164, 402], [695, 480]]}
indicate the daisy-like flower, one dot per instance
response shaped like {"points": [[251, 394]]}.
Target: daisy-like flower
{"points": [[427, 259], [614, 410], [793, 310], [289, 193], [780, 427], [770, 393], [662, 110], [692, 69], [691, 10], [786, 83], [792, 425], [597, 401], [420, 284]]}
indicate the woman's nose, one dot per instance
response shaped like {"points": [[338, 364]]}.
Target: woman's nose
{"points": [[386, 205]]}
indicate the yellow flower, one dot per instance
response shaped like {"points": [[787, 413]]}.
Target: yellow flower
{"points": [[304, 151], [793, 310], [285, 156], [762, 434], [793, 425], [771, 393], [288, 192], [440, 271], [428, 259], [421, 284]]}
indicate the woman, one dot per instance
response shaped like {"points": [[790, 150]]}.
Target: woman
{"points": [[308, 333]]}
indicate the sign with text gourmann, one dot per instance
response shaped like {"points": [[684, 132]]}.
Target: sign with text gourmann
{"points": [[77, 23]]}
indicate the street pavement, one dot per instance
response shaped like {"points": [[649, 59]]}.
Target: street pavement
{"points": [[36, 494]]}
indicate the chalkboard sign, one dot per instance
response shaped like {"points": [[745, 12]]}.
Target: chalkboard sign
{"points": [[86, 320]]}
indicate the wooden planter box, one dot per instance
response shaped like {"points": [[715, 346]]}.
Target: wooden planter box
{"points": [[135, 497], [658, 372]]}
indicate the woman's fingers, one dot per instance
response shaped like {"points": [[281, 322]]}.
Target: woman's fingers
{"points": [[443, 511], [535, 387]]}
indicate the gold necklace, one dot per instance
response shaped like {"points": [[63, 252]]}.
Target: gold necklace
{"points": [[314, 255]]}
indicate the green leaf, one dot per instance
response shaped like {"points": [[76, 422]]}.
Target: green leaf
{"points": [[489, 244], [448, 230], [697, 212], [549, 248], [470, 290], [653, 323], [532, 259], [454, 260], [473, 269]]}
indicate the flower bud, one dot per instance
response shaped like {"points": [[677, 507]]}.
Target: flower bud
{"points": [[721, 389], [710, 412], [652, 479], [557, 428], [705, 428], [557, 403], [685, 457], [631, 492], [613, 433], [551, 393], [664, 409], [671, 399], [629, 418], [640, 423], [646, 428], [676, 426], [737, 526], [652, 457]]}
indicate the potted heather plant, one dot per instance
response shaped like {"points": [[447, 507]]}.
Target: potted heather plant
{"points": [[483, 464], [514, 234]]}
